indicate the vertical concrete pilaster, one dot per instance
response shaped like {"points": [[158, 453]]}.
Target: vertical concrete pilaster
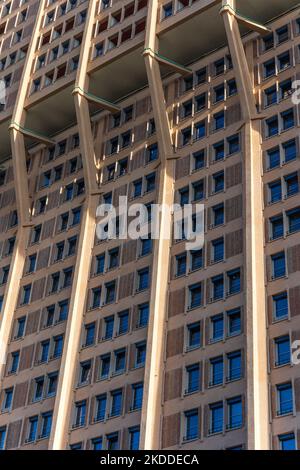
{"points": [[255, 308]]}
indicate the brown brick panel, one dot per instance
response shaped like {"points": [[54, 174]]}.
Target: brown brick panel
{"points": [[294, 300], [26, 357], [134, 316], [142, 106], [140, 132], [20, 395], [18, 74], [47, 229], [129, 251], [182, 168], [293, 259], [176, 302], [53, 199], [128, 398], [233, 175], [38, 288], [137, 159], [126, 285], [43, 258], [8, 198], [173, 384], [297, 394], [233, 114], [13, 434], [32, 323], [171, 430], [120, 191], [11, 23], [270, 309], [233, 208], [234, 243], [175, 342]]}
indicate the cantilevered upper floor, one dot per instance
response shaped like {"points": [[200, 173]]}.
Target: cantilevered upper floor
{"points": [[187, 30]]}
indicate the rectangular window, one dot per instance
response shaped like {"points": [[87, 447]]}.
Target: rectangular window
{"points": [[7, 401], [290, 150], [234, 361], [219, 151], [196, 260], [286, 441], [273, 158], [217, 328], [234, 281], [293, 220], [123, 322], [15, 357], [116, 403], [288, 120], [200, 130], [217, 287], [278, 265], [191, 425], [218, 215], [110, 294], [2, 437], [234, 322], [140, 356], [277, 227], [108, 327], [120, 361], [193, 378], [46, 424], [80, 414], [134, 438], [235, 413], [137, 398], [100, 408], [216, 418], [45, 346], [112, 441], [292, 184], [283, 350], [272, 126], [32, 429], [89, 334], [275, 191], [58, 346], [195, 292], [143, 314], [218, 250], [198, 160], [270, 96], [280, 306], [284, 399], [85, 372], [194, 336], [216, 371], [105, 366], [143, 279]]}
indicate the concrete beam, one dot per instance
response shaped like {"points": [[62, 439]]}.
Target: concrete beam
{"points": [[170, 63], [103, 104], [64, 397], [32, 134], [23, 201], [248, 22], [154, 367], [255, 307]]}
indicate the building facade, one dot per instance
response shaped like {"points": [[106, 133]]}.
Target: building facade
{"points": [[127, 344]]}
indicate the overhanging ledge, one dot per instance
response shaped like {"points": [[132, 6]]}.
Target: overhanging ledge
{"points": [[248, 22]]}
